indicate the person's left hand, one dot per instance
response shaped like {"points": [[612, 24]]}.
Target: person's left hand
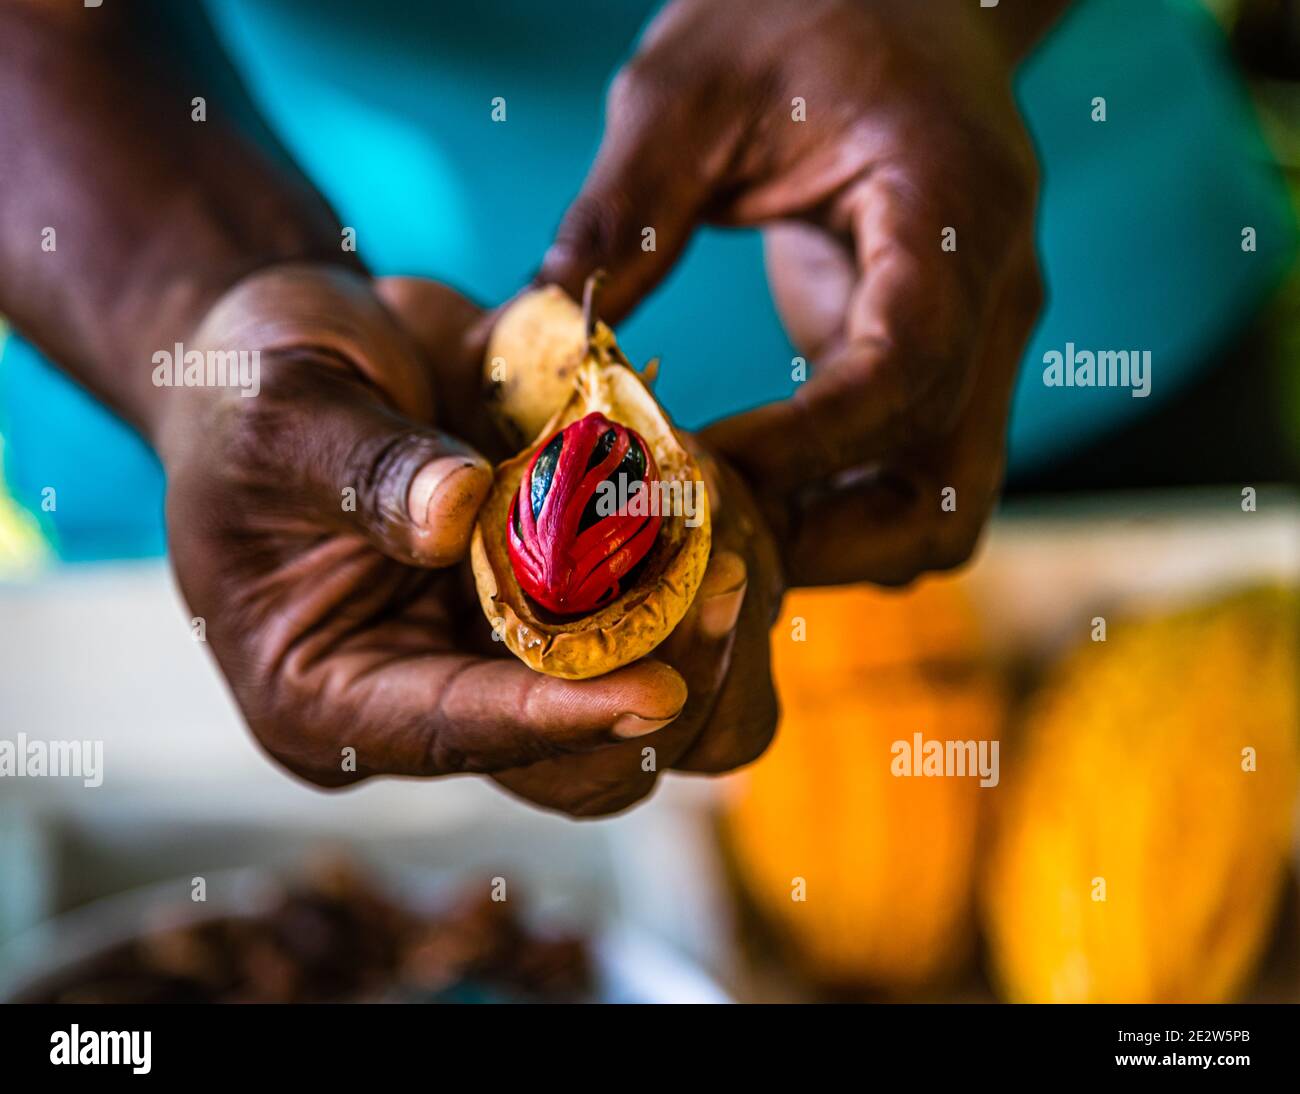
{"points": [[721, 647]]}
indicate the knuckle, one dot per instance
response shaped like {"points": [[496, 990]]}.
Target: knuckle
{"points": [[590, 228], [293, 722], [898, 575], [296, 752], [591, 790], [623, 90], [324, 779], [1000, 213], [758, 736], [949, 557], [1036, 287], [635, 88], [378, 464], [1017, 186], [944, 541], [445, 759], [1009, 169], [936, 407], [611, 799], [953, 543], [1031, 292], [916, 345], [747, 739]]}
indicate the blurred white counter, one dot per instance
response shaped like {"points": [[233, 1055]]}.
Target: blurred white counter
{"points": [[104, 653]]}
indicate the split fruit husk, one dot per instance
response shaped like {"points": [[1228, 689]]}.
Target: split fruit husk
{"points": [[532, 361], [539, 377]]}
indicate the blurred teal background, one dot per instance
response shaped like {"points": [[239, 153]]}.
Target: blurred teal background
{"points": [[386, 105]]}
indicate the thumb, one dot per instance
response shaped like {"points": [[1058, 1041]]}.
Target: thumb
{"points": [[339, 432], [417, 490], [638, 206], [412, 490]]}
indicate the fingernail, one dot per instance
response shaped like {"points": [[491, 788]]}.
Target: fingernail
{"points": [[633, 725], [719, 613], [431, 480]]}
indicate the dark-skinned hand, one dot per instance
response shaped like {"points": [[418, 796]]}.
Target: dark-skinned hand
{"points": [[909, 129], [319, 530]]}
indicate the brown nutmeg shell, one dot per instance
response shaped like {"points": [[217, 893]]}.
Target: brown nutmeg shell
{"points": [[666, 582]]}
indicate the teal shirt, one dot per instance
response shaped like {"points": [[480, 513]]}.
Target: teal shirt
{"points": [[387, 106]]}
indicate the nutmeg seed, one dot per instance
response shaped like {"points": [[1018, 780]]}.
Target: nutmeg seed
{"points": [[571, 540], [573, 591]]}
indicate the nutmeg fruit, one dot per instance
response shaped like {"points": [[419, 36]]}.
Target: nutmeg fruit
{"points": [[593, 540]]}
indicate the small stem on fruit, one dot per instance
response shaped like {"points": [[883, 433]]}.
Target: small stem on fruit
{"points": [[620, 357], [590, 298]]}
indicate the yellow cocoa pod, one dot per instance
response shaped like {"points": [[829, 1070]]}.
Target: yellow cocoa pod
{"points": [[1143, 832], [867, 875], [550, 388]]}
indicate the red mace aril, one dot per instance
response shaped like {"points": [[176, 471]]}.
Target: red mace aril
{"points": [[571, 540]]}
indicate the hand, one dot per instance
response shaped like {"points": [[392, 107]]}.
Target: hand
{"points": [[315, 528], [720, 649], [910, 130]]}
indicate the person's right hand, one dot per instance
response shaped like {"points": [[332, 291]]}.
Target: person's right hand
{"points": [[864, 139], [312, 528]]}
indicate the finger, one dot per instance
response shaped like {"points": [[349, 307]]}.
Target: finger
{"points": [[891, 524], [700, 649], [331, 450], [450, 330], [339, 428], [743, 717], [493, 716], [812, 274], [895, 371], [439, 318], [647, 187], [612, 779], [595, 784], [710, 622], [733, 626]]}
